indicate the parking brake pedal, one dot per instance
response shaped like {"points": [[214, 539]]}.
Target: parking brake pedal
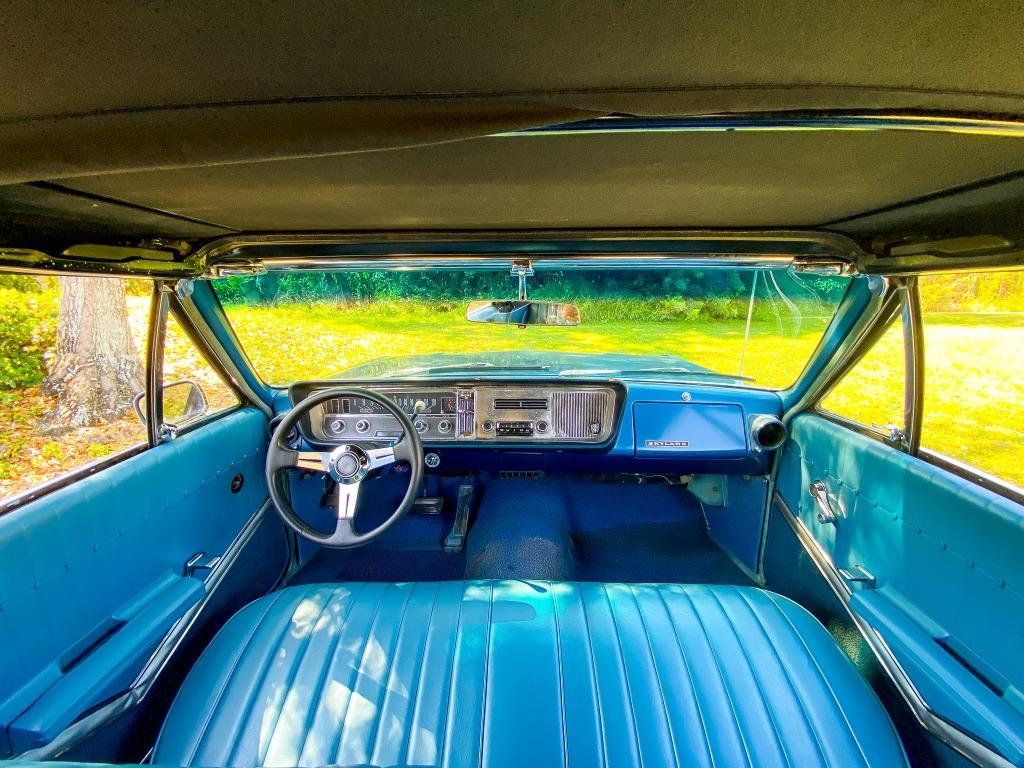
{"points": [[456, 540], [427, 505]]}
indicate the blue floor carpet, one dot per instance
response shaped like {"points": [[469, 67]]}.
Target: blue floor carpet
{"points": [[557, 528]]}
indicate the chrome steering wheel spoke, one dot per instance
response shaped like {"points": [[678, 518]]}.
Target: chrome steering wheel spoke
{"points": [[381, 457], [346, 497], [288, 458]]}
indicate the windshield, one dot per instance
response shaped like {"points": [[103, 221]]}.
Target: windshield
{"points": [[752, 326]]}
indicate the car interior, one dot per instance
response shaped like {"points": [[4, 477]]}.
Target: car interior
{"points": [[486, 524]]}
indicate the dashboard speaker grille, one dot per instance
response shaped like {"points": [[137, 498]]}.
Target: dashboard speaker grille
{"points": [[574, 412], [520, 403]]}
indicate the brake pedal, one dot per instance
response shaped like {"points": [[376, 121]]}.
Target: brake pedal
{"points": [[456, 540]]}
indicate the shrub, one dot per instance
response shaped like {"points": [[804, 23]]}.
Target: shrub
{"points": [[27, 331]]}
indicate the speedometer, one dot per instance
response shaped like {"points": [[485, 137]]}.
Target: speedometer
{"points": [[434, 403]]}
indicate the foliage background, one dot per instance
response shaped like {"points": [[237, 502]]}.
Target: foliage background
{"points": [[293, 324]]}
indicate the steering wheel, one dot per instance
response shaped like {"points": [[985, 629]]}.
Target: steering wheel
{"points": [[348, 465]]}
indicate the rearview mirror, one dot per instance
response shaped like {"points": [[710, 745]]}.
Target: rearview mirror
{"points": [[183, 401], [523, 313]]}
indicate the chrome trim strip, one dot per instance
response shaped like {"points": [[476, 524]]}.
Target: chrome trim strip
{"points": [[135, 694], [463, 248], [780, 122], [857, 341], [959, 740], [55, 484], [227, 365], [441, 261]]}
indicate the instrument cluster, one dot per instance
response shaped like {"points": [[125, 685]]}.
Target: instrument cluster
{"points": [[477, 413]]}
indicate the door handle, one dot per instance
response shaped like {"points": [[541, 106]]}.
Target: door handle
{"points": [[819, 492]]}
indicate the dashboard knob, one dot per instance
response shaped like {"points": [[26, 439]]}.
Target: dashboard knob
{"points": [[362, 425], [487, 426], [336, 426], [445, 426], [421, 426]]}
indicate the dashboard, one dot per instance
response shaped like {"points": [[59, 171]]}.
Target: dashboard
{"points": [[581, 426], [477, 413]]}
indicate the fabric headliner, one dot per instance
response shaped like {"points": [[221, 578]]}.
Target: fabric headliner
{"points": [[92, 86], [737, 179]]}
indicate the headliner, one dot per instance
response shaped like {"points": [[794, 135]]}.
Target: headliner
{"points": [[123, 120], [739, 179]]}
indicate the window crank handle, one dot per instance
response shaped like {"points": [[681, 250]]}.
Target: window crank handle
{"points": [[819, 492]]}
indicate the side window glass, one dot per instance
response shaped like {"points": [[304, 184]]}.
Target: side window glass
{"points": [[872, 392], [192, 387], [71, 362], [974, 370]]}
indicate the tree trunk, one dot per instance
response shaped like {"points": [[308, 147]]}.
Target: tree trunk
{"points": [[96, 370]]}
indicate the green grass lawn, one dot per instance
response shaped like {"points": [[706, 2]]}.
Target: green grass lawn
{"points": [[332, 338], [974, 388]]}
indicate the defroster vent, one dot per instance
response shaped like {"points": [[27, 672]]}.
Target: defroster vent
{"points": [[520, 403]]}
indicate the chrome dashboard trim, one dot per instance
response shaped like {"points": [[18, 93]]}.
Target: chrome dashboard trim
{"points": [[476, 421]]}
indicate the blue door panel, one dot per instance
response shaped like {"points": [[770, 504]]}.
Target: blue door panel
{"points": [[93, 574], [947, 558]]}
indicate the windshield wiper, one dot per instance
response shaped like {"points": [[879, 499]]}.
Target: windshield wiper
{"points": [[456, 367]]}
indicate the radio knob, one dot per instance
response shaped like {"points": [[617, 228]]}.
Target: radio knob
{"points": [[542, 426], [487, 426]]}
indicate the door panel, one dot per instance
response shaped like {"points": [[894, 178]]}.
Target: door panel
{"points": [[94, 574], [946, 557]]}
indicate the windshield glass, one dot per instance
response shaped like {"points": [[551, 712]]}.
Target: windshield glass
{"points": [[752, 326]]}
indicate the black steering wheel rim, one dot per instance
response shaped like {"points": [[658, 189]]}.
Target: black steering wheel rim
{"points": [[281, 458]]}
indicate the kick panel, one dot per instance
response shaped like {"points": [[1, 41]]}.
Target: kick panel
{"points": [[704, 430]]}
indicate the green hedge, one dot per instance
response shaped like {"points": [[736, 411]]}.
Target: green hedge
{"points": [[27, 331]]}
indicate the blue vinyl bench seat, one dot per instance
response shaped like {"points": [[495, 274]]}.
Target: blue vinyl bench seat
{"points": [[523, 673]]}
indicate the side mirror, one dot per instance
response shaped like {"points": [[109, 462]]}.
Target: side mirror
{"points": [[522, 313], [183, 402]]}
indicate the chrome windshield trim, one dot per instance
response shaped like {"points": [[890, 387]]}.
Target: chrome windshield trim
{"points": [[609, 249]]}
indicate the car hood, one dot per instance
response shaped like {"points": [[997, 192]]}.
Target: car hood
{"points": [[525, 364]]}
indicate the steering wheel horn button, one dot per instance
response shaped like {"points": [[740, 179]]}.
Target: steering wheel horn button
{"points": [[346, 466]]}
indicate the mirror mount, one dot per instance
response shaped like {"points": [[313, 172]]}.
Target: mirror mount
{"points": [[522, 270]]}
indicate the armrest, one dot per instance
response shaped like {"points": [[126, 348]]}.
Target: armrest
{"points": [[103, 664], [953, 689]]}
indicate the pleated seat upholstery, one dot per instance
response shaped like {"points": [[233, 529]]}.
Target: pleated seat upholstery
{"points": [[514, 673]]}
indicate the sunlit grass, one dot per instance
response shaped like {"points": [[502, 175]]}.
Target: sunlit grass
{"points": [[333, 338], [974, 390]]}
